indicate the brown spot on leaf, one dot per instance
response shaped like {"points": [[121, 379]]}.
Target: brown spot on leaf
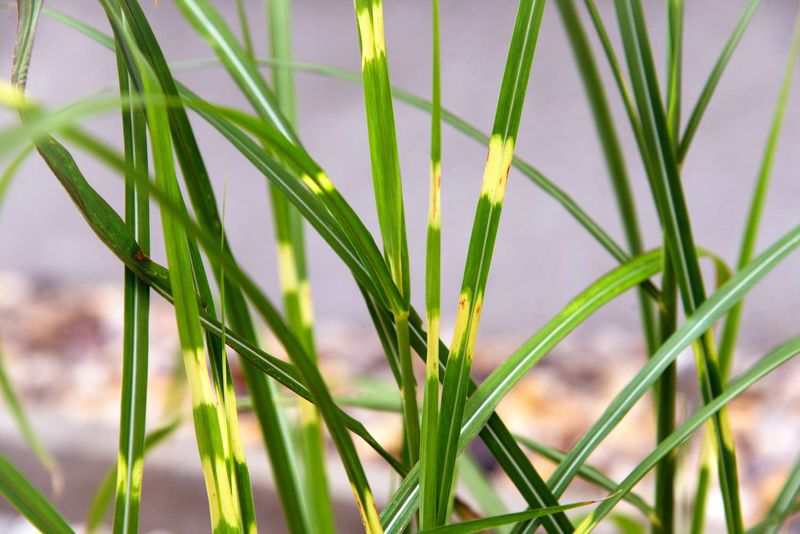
{"points": [[140, 256], [505, 175]]}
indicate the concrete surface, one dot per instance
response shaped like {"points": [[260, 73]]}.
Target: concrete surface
{"points": [[542, 257]]}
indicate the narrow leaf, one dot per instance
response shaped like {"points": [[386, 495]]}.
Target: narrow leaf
{"points": [[28, 501]]}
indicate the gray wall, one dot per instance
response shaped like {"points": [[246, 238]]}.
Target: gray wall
{"points": [[542, 257]]}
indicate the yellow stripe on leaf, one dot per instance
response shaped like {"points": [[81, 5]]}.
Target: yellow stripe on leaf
{"points": [[434, 219], [498, 164], [287, 270], [365, 30], [306, 307]]}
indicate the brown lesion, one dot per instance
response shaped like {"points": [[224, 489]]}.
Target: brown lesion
{"points": [[140, 256], [504, 176], [462, 302]]}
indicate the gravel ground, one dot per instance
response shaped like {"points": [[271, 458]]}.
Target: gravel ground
{"points": [[62, 346]]}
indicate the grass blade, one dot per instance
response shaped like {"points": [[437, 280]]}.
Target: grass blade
{"points": [[122, 244], [714, 77], [306, 369], [247, 39], [675, 16], [104, 494], [513, 368], [27, 20], [28, 501], [495, 435], [383, 145], [26, 428], [524, 167], [11, 171], [229, 471], [133, 399], [225, 515], [227, 480], [223, 385], [430, 403], [528, 170], [716, 306], [202, 197], [280, 22], [698, 519], [488, 395], [479, 525], [767, 364], [113, 232], [480, 488], [665, 390], [753, 221], [388, 189], [759, 527], [665, 393], [484, 232], [319, 392], [671, 205], [298, 305], [10, 396], [785, 503], [209, 23], [616, 70], [593, 476], [612, 151]]}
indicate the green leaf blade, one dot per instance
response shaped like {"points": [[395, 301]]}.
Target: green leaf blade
{"points": [[29, 501]]}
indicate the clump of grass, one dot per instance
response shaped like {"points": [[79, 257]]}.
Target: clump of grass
{"points": [[455, 410]]}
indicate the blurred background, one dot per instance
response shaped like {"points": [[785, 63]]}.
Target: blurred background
{"points": [[49, 256]]}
